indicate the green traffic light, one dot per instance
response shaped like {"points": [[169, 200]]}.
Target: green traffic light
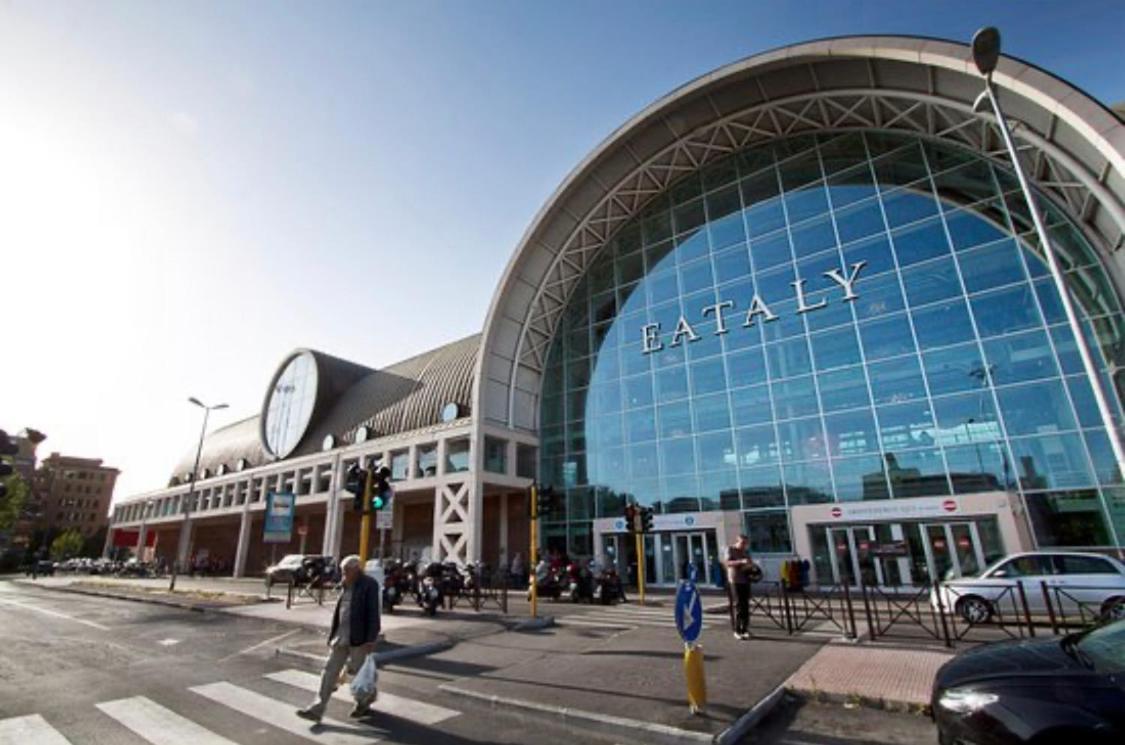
{"points": [[377, 503]]}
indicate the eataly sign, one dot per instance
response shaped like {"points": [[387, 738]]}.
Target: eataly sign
{"points": [[652, 339]]}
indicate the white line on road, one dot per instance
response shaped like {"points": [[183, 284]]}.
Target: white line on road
{"points": [[158, 725], [284, 716], [259, 645], [55, 613], [387, 703], [29, 729]]}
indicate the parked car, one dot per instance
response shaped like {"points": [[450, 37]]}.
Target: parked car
{"points": [[1067, 689], [1092, 581], [285, 571]]}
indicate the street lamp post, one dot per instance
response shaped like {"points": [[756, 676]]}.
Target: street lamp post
{"points": [[986, 55], [185, 528]]}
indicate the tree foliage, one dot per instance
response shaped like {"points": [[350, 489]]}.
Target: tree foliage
{"points": [[12, 502], [67, 545]]}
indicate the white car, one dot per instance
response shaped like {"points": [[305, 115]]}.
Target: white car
{"points": [[1078, 584]]}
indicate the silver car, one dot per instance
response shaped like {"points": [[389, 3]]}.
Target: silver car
{"points": [[1078, 584]]}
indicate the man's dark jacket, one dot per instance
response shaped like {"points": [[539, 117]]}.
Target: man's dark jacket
{"points": [[364, 620]]}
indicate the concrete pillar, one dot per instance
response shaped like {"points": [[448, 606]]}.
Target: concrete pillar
{"points": [[243, 548], [503, 555], [142, 535], [330, 544], [436, 550], [108, 543]]}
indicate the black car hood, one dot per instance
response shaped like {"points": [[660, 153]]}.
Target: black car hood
{"points": [[1028, 657]]}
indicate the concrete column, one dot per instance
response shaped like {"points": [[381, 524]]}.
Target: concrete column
{"points": [[503, 555], [436, 548], [243, 545], [108, 543], [142, 535], [331, 541]]}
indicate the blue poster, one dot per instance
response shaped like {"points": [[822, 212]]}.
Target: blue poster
{"points": [[689, 609], [280, 508]]}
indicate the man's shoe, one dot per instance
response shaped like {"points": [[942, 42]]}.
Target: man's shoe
{"points": [[359, 712], [311, 714]]}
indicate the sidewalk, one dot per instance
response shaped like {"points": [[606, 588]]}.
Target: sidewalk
{"points": [[627, 685], [884, 676]]}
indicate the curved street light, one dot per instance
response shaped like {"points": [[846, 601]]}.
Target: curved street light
{"points": [[185, 528]]}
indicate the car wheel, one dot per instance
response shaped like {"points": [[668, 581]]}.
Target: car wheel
{"points": [[974, 610], [1113, 609]]}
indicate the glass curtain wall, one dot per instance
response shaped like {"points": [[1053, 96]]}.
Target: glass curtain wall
{"points": [[854, 316]]}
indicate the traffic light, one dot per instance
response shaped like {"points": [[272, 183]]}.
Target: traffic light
{"points": [[546, 500], [646, 519], [353, 484], [381, 488], [630, 514]]}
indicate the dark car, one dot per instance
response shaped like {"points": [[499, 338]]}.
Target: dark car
{"points": [[1068, 689], [289, 569]]}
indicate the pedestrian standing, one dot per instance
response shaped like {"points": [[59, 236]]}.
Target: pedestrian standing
{"points": [[739, 568], [355, 627]]}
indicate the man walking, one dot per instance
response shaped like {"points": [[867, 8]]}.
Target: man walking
{"points": [[738, 580], [355, 627]]}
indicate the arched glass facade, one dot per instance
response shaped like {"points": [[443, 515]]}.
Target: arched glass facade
{"points": [[290, 405], [854, 316]]}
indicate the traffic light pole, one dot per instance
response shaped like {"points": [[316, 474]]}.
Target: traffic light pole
{"points": [[640, 565], [365, 523], [533, 552]]}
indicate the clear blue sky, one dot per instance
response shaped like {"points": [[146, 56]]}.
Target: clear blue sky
{"points": [[190, 190]]}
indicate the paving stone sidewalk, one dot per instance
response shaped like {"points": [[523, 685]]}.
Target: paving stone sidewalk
{"points": [[892, 677]]}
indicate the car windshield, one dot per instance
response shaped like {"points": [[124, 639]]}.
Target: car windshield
{"points": [[1105, 647], [292, 560]]}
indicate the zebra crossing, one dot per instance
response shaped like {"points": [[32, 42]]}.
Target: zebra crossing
{"points": [[159, 725], [631, 616]]}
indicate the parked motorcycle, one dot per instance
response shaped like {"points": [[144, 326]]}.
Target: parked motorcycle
{"points": [[396, 584], [427, 592], [548, 583], [579, 583], [608, 587]]}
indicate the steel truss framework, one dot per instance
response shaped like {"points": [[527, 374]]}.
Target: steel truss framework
{"points": [[1079, 192]]}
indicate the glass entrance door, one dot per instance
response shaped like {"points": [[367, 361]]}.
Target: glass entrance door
{"points": [[692, 549], [852, 555], [952, 549]]}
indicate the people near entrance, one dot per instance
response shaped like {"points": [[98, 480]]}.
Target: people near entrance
{"points": [[739, 570], [355, 628]]}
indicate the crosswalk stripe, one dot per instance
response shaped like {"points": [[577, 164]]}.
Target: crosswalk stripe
{"points": [[387, 703], [598, 624], [159, 725], [284, 716], [29, 729]]}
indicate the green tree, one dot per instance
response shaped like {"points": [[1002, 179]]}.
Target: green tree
{"points": [[66, 545], [12, 502]]}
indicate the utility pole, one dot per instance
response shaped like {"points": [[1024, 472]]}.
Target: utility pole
{"points": [[365, 522], [533, 552]]}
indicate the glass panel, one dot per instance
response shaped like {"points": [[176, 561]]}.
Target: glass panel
{"points": [[939, 550], [1068, 518], [768, 532]]}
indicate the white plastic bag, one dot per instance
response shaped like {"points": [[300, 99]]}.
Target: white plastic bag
{"points": [[363, 684]]}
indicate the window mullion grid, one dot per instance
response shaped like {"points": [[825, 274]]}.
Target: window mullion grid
{"points": [[805, 326], [986, 382], [909, 318], [859, 342], [1114, 539]]}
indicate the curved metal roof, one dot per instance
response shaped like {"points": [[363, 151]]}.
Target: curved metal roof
{"points": [[1076, 149], [402, 397]]}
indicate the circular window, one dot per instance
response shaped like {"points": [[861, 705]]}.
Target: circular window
{"points": [[222, 469], [362, 433], [241, 465], [289, 406], [450, 411], [328, 443], [205, 473]]}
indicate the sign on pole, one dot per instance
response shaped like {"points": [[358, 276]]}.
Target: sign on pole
{"points": [[689, 610], [280, 509]]}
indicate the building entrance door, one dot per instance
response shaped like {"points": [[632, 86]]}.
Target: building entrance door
{"points": [[952, 549], [691, 548], [850, 551]]}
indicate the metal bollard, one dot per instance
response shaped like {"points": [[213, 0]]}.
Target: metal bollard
{"points": [[1026, 612], [1050, 608]]}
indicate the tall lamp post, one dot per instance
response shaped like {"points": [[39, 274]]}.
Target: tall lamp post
{"points": [[986, 55], [185, 529]]}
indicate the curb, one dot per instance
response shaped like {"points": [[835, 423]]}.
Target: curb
{"points": [[752, 718], [534, 624], [603, 724], [879, 704], [197, 607], [417, 650]]}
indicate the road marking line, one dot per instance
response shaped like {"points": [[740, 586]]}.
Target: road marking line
{"points": [[32, 728], [56, 614], [284, 716], [259, 645], [159, 725], [387, 703]]}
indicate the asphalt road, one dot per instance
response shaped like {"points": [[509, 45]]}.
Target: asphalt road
{"points": [[79, 669]]}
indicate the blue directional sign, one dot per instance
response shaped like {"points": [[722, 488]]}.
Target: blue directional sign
{"points": [[689, 610]]}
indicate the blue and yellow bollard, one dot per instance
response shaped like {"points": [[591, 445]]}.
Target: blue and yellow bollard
{"points": [[693, 675]]}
